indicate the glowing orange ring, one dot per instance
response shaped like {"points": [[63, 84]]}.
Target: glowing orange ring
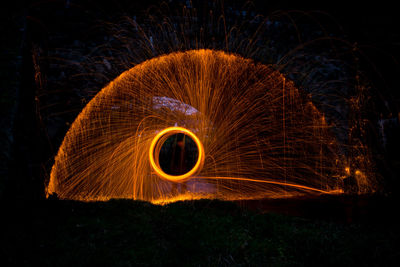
{"points": [[162, 136]]}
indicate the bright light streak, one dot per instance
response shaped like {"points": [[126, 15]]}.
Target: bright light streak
{"points": [[155, 147]]}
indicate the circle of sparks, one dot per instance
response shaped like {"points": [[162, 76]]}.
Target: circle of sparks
{"points": [[155, 148]]}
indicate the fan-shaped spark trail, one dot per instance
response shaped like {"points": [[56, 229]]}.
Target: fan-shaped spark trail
{"points": [[252, 123]]}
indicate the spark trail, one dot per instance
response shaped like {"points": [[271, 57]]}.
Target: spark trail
{"points": [[259, 135]]}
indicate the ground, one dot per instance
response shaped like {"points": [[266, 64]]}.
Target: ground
{"points": [[195, 233]]}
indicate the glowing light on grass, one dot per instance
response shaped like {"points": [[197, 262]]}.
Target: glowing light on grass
{"points": [[257, 135]]}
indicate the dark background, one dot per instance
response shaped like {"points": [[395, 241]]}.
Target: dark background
{"points": [[328, 231], [26, 25]]}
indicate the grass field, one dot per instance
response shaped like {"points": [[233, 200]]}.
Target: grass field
{"points": [[191, 233]]}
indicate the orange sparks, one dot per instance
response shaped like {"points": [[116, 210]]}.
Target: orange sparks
{"points": [[256, 134]]}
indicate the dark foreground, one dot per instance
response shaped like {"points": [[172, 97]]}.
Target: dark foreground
{"points": [[202, 233]]}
